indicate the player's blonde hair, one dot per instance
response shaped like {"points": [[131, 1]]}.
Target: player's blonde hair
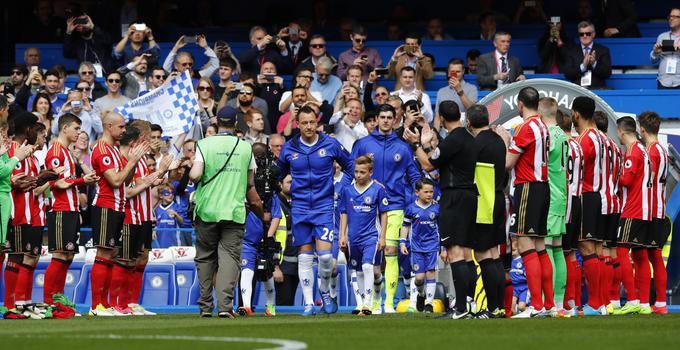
{"points": [[364, 160]]}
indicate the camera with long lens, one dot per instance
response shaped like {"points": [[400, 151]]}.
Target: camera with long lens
{"points": [[269, 253], [266, 177]]}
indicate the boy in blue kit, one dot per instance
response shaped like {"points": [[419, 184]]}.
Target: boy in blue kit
{"points": [[520, 290], [249, 255], [361, 206], [420, 220], [167, 217], [340, 180]]}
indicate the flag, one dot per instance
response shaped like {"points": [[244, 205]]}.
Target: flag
{"points": [[495, 109]]}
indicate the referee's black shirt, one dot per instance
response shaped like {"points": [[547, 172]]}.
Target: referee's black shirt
{"points": [[456, 159], [490, 148]]}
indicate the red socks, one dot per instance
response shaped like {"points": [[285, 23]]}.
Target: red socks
{"points": [[532, 266], [118, 275], [660, 275], [570, 288], [101, 272], [606, 279], [136, 283], [591, 267], [24, 285], [11, 275], [579, 283], [55, 277], [627, 277], [546, 279], [615, 292], [643, 274], [507, 300]]}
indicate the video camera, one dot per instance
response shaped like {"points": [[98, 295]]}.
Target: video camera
{"points": [[266, 176], [269, 254]]}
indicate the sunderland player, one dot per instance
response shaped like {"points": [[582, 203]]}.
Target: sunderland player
{"points": [[528, 157], [658, 234], [421, 229], [557, 162], [593, 146], [63, 219], [308, 158], [636, 216], [573, 216], [363, 226], [395, 168], [611, 211], [108, 210]]}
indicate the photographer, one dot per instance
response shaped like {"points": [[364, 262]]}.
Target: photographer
{"points": [[408, 91], [411, 54], [552, 47], [220, 215], [666, 53], [185, 61], [264, 48], [86, 42], [286, 274], [135, 35], [79, 106]]}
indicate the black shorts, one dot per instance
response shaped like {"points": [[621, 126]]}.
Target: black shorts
{"points": [[633, 232], [457, 218], [63, 231], [490, 235], [25, 239], [531, 203], [610, 228], [659, 230], [127, 244], [145, 236], [570, 239], [107, 225], [591, 217]]}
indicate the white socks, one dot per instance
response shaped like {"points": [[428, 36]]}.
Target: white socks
{"points": [[325, 270], [367, 270], [355, 288], [306, 274], [269, 291], [247, 286], [430, 287], [361, 288], [334, 284], [413, 299]]}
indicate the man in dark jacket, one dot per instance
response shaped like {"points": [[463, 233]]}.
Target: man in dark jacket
{"points": [[265, 48], [85, 42], [588, 64]]}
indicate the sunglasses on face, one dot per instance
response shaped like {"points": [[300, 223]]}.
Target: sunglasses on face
{"points": [[318, 46], [584, 34], [113, 81], [359, 41], [204, 88], [82, 89], [160, 77], [249, 93], [381, 94], [87, 73], [16, 72], [187, 64]]}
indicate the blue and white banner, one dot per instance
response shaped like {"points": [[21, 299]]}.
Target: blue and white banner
{"points": [[173, 106]]}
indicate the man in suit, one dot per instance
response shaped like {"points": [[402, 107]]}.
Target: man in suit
{"points": [[618, 19], [588, 64], [296, 43], [497, 69], [137, 82]]}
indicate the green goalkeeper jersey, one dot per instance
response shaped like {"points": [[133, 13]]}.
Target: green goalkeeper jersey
{"points": [[557, 170]]}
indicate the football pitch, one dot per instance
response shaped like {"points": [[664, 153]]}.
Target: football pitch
{"points": [[341, 331]]}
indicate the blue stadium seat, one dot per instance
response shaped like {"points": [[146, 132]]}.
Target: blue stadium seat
{"points": [[185, 272], [82, 291], [159, 286], [72, 277]]}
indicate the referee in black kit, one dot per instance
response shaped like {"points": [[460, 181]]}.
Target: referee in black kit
{"points": [[456, 159]]}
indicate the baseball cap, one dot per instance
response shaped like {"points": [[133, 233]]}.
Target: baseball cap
{"points": [[227, 116]]}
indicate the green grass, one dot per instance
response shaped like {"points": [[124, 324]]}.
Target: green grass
{"points": [[401, 331]]}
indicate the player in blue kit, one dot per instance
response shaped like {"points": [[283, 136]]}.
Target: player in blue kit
{"points": [[167, 217], [249, 255], [420, 220], [309, 158], [363, 227], [340, 180]]}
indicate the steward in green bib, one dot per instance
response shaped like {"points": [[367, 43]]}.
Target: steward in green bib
{"points": [[224, 170]]}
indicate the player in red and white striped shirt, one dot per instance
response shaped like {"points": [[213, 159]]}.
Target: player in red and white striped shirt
{"points": [[108, 211], [609, 195], [592, 146], [636, 185], [63, 219], [660, 228]]}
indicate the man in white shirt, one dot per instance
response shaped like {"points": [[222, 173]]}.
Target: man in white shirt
{"points": [[80, 107], [408, 92], [348, 125]]}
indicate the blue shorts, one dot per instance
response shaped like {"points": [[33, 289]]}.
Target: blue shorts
{"points": [[521, 291], [364, 253], [422, 262], [248, 257], [319, 229]]}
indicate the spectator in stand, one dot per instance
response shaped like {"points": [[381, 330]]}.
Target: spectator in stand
{"points": [[86, 42], [618, 19], [137, 82], [372, 101], [408, 91], [355, 75], [135, 35], [271, 89], [435, 30], [394, 32], [348, 92], [530, 12], [79, 106], [472, 58], [31, 85], [325, 83], [17, 77], [265, 48], [185, 61], [487, 26], [287, 125], [668, 61], [398, 106], [358, 54], [208, 107], [245, 102], [32, 58], [458, 90], [552, 48], [348, 125], [225, 86], [62, 78], [44, 26], [317, 49], [411, 54], [276, 142], [588, 64], [42, 108], [157, 77], [51, 87], [224, 53], [497, 69], [303, 77], [255, 121], [296, 43], [87, 72], [114, 98]]}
